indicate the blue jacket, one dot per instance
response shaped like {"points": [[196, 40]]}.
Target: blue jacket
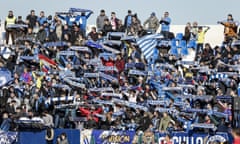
{"points": [[83, 21], [165, 24]]}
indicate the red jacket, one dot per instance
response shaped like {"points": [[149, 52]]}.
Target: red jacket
{"points": [[120, 65], [107, 62]]}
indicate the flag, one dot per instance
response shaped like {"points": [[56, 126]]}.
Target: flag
{"points": [[5, 76], [8, 137], [147, 44], [86, 137], [45, 63], [85, 140], [92, 141]]}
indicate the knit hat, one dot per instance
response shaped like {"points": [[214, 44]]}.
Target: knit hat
{"points": [[153, 14]]}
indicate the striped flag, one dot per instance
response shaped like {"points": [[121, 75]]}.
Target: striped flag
{"points": [[85, 140], [147, 44]]}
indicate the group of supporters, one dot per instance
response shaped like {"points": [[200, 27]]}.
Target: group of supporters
{"points": [[75, 84]]}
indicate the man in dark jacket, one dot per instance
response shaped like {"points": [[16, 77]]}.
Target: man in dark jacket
{"points": [[91, 123], [128, 20], [107, 27], [32, 19], [144, 122], [41, 35], [52, 37]]}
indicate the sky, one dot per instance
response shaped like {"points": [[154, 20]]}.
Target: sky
{"points": [[205, 12]]}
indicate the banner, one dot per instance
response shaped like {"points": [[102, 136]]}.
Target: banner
{"points": [[113, 137], [5, 76], [8, 137], [86, 136], [178, 138], [92, 136]]}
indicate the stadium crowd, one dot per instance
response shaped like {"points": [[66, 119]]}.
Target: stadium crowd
{"points": [[75, 84]]}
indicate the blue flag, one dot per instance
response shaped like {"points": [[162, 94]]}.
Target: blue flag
{"points": [[5, 76]]}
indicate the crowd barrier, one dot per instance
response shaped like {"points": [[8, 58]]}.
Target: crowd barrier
{"points": [[93, 136]]}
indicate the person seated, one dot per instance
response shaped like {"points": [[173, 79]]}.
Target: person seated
{"points": [[93, 35]]}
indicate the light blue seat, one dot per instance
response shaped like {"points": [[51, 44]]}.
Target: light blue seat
{"points": [[174, 50], [179, 36], [192, 44], [183, 46]]}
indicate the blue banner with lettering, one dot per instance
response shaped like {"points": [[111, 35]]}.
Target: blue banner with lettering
{"points": [[108, 137], [92, 136], [8, 137], [195, 138]]}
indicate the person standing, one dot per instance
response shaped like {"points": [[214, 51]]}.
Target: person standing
{"points": [[100, 20], [187, 32], [128, 20], [83, 21], [114, 21], [194, 31], [32, 19], [230, 29], [21, 31], [41, 19], [165, 24], [201, 39], [10, 20], [152, 22], [164, 122]]}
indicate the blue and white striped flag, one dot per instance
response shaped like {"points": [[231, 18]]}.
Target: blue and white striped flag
{"points": [[147, 44], [85, 140]]}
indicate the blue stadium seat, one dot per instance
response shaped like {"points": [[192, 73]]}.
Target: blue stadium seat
{"points": [[173, 42], [174, 50], [192, 44], [183, 46], [179, 36]]}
